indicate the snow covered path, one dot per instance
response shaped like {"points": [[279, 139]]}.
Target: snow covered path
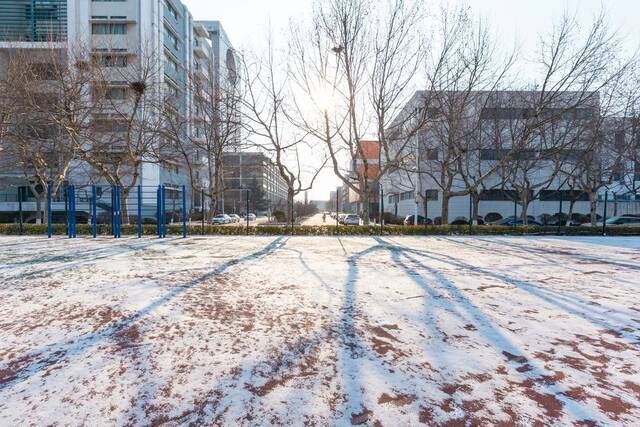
{"points": [[320, 330]]}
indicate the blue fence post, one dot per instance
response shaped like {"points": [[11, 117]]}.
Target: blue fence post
{"points": [[139, 211], [75, 214], [49, 214], [113, 211], [158, 204], [118, 212], [67, 208], [94, 212], [73, 205], [184, 212], [164, 212], [69, 203]]}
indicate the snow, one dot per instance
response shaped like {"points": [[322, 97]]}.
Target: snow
{"points": [[237, 330]]}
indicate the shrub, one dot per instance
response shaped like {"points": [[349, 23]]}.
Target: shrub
{"points": [[280, 216], [391, 219], [324, 230]]}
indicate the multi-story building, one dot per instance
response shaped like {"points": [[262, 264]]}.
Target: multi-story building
{"points": [[353, 202], [157, 40], [492, 128], [255, 173]]}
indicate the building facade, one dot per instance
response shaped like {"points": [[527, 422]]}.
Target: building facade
{"points": [[155, 42], [496, 139], [251, 173]]}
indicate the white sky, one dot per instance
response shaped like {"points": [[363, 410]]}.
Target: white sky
{"points": [[246, 23]]}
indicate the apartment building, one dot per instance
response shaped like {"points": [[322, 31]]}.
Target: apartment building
{"points": [[491, 128], [252, 171], [156, 39]]}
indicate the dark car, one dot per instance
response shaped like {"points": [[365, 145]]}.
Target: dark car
{"points": [[409, 220], [510, 222]]}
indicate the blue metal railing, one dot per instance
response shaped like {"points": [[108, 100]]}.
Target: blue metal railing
{"points": [[33, 20]]}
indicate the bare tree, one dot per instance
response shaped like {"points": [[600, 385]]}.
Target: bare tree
{"points": [[216, 128], [267, 119], [356, 66], [32, 143]]}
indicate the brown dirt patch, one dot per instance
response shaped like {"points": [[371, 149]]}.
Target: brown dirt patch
{"points": [[399, 399], [613, 405], [362, 417]]}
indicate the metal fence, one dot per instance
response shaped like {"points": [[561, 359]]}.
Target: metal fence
{"points": [[100, 205], [102, 209]]}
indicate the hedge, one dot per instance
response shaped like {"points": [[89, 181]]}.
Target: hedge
{"points": [[326, 230]]}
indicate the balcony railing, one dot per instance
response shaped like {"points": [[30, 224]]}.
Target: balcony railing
{"points": [[33, 20]]}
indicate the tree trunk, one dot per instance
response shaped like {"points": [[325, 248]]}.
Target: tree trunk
{"points": [[525, 207], [475, 207], [124, 208], [41, 208], [593, 207], [444, 216], [290, 196], [365, 204], [572, 202]]}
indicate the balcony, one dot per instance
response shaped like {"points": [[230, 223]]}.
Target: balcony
{"points": [[201, 49], [200, 30], [33, 21], [200, 71]]}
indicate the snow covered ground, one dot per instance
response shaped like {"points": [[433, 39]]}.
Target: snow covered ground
{"points": [[278, 330]]}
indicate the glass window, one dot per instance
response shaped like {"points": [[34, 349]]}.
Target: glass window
{"points": [[100, 28]]}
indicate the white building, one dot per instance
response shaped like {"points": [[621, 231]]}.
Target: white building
{"points": [[121, 35], [519, 150]]}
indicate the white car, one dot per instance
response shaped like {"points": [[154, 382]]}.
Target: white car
{"points": [[221, 219], [252, 217], [234, 218], [351, 220]]}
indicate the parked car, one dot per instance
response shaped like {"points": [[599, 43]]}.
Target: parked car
{"points": [[351, 220], [530, 219], [341, 218], [252, 217], [460, 221], [235, 218], [409, 220], [510, 222], [623, 221], [221, 219]]}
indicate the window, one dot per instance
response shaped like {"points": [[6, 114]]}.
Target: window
{"points": [[407, 195], [526, 155], [115, 93], [109, 0], [108, 28], [111, 60], [171, 64], [493, 154], [172, 10], [566, 195], [499, 195], [43, 71], [431, 154], [109, 125], [172, 39], [432, 194], [170, 90]]}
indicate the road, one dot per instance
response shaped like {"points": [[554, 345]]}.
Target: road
{"points": [[242, 223], [317, 220]]}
